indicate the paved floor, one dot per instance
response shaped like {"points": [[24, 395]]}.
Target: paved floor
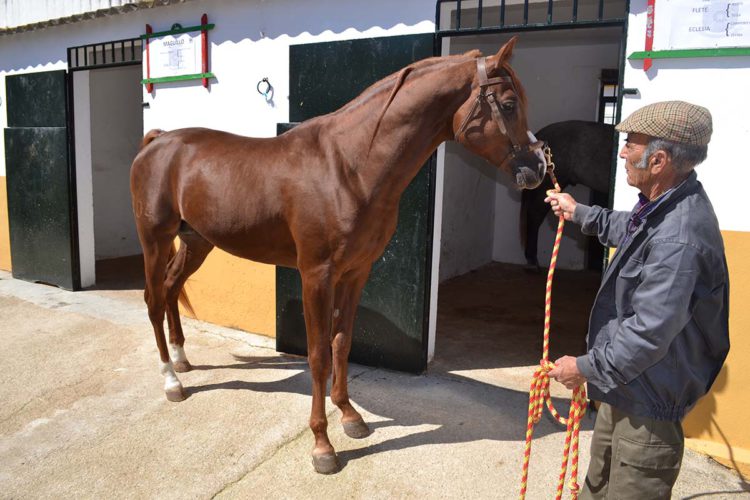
{"points": [[83, 416]]}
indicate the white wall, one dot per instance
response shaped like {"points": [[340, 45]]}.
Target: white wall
{"points": [[84, 181], [560, 72], [251, 41], [468, 212], [719, 83], [116, 133]]}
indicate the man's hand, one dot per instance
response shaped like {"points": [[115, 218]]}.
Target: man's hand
{"points": [[562, 204], [566, 372]]}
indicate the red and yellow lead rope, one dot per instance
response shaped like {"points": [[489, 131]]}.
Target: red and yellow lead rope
{"points": [[539, 391]]}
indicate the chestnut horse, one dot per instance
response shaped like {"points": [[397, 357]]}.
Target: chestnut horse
{"points": [[322, 198]]}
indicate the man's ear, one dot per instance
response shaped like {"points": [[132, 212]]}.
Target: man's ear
{"points": [[505, 53], [658, 161]]}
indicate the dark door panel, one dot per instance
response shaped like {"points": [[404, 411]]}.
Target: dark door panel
{"points": [[391, 325], [40, 201]]}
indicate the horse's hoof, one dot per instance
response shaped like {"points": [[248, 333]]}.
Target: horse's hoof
{"points": [[531, 268], [175, 394], [357, 429], [326, 464], [182, 366]]}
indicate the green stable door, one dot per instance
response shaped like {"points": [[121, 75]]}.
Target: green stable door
{"points": [[41, 204], [390, 330]]}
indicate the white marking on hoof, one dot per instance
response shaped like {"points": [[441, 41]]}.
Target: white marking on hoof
{"points": [[172, 386]]}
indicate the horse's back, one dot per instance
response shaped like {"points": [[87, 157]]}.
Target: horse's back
{"points": [[582, 151]]}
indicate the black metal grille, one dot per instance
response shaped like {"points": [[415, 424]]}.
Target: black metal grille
{"points": [[105, 55], [458, 17]]}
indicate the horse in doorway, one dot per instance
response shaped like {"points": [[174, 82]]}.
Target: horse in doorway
{"points": [[322, 198], [582, 154]]}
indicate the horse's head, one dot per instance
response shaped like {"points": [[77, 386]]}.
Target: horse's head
{"points": [[492, 122]]}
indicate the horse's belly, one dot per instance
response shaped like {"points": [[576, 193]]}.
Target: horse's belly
{"points": [[269, 244]]}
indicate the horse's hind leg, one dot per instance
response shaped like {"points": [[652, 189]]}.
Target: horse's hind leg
{"points": [[156, 252], [348, 293], [193, 251]]}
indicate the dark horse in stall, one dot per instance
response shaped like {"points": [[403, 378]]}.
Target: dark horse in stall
{"points": [[322, 198], [582, 154]]}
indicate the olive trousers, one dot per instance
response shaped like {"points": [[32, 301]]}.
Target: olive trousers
{"points": [[632, 457]]}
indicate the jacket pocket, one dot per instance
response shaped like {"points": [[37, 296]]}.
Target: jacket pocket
{"points": [[627, 281]]}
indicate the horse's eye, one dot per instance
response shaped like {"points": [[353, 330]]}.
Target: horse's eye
{"points": [[508, 106]]}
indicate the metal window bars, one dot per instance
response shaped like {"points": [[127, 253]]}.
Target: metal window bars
{"points": [[110, 54], [458, 17]]}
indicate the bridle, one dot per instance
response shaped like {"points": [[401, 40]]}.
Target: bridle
{"points": [[491, 99]]}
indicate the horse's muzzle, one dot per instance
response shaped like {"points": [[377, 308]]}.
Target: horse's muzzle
{"points": [[530, 167], [529, 171]]}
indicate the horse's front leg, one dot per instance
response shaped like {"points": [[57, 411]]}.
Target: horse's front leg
{"points": [[317, 300], [348, 293]]}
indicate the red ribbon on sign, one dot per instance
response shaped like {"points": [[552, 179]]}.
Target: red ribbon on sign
{"points": [[649, 32]]}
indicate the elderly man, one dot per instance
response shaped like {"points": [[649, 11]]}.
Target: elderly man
{"points": [[658, 332]]}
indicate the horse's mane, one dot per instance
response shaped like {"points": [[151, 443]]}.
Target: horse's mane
{"points": [[394, 81], [397, 80]]}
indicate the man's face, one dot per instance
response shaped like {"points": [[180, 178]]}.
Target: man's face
{"points": [[632, 153]]}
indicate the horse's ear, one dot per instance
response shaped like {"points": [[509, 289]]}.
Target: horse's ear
{"points": [[505, 53]]}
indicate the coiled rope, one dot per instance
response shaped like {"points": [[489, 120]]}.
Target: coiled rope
{"points": [[539, 391]]}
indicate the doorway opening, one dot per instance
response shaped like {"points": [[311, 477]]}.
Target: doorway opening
{"points": [[108, 128], [490, 308]]}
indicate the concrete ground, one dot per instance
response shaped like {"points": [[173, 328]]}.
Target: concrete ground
{"points": [[83, 416]]}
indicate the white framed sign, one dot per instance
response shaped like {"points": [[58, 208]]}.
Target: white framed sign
{"points": [[704, 24], [175, 55]]}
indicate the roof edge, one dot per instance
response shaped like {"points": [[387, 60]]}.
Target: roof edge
{"points": [[85, 16]]}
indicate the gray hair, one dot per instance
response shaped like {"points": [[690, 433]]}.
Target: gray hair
{"points": [[684, 156]]}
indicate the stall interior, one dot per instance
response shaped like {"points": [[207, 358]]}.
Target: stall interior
{"points": [[490, 305], [109, 130]]}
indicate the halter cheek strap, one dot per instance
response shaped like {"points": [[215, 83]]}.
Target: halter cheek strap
{"points": [[497, 116]]}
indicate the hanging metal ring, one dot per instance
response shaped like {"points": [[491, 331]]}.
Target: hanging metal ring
{"points": [[268, 89]]}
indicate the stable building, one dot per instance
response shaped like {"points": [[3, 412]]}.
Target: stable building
{"points": [[80, 86]]}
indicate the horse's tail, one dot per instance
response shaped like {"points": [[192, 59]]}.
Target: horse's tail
{"points": [[183, 297], [150, 136]]}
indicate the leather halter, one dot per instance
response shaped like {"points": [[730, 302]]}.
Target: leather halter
{"points": [[497, 116]]}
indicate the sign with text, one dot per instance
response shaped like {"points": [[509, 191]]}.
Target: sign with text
{"points": [[175, 55], [700, 24]]}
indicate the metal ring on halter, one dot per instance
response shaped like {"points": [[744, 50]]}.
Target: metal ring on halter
{"points": [[269, 88]]}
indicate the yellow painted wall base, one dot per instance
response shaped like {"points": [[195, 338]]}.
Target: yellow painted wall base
{"points": [[234, 292], [718, 424], [738, 459], [4, 232]]}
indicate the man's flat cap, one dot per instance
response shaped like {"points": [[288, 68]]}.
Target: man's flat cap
{"points": [[677, 121]]}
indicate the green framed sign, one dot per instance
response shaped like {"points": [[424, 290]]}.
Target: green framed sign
{"points": [[176, 55]]}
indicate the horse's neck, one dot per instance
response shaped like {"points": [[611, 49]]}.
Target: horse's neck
{"points": [[408, 132]]}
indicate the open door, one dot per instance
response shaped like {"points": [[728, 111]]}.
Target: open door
{"points": [[41, 207]]}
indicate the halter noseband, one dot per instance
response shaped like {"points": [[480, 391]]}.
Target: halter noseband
{"points": [[491, 99]]}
